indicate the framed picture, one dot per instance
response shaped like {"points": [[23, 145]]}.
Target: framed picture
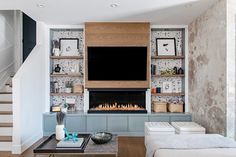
{"points": [[69, 46], [166, 46], [167, 87]]}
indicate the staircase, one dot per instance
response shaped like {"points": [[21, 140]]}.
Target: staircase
{"points": [[6, 122]]}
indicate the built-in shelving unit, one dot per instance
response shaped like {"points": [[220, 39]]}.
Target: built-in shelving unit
{"points": [[168, 57], [168, 94], [66, 75], [66, 94], [167, 62], [177, 75], [72, 68], [66, 57]]}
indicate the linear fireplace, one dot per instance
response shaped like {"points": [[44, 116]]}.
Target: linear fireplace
{"points": [[117, 101]]}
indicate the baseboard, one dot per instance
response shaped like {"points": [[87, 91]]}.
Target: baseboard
{"points": [[18, 149]]}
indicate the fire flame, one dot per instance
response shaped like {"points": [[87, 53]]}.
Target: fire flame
{"points": [[116, 106]]}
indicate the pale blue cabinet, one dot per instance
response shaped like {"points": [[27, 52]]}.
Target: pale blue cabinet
{"points": [[117, 123], [49, 124], [76, 123], [121, 124], [96, 123], [136, 123]]}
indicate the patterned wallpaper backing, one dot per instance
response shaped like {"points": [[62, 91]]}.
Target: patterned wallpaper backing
{"points": [[163, 64], [68, 65]]}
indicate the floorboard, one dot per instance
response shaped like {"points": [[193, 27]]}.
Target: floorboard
{"points": [[127, 146]]}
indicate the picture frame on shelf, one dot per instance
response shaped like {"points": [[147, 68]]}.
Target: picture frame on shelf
{"points": [[166, 46], [69, 46], [167, 87]]}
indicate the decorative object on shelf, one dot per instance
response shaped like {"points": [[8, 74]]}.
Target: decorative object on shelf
{"points": [[153, 69], [64, 107], [166, 46], [57, 69], [60, 133], [55, 108], [69, 46], [55, 49], [167, 72], [101, 137], [180, 71], [154, 90], [175, 70], [175, 106], [56, 87], [167, 87], [71, 104], [78, 88], [159, 106], [69, 137], [68, 86], [158, 90]]}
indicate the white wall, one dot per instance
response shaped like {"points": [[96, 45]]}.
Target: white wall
{"points": [[6, 45], [231, 62], [29, 97]]}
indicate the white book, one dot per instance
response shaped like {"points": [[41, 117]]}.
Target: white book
{"points": [[70, 143]]}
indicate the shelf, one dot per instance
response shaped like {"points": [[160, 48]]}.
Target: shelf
{"points": [[66, 75], [66, 94], [167, 57], [179, 75], [168, 94], [66, 57]]}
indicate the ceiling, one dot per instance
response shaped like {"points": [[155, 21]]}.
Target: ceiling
{"points": [[75, 12]]}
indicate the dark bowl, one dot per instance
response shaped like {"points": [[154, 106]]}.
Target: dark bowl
{"points": [[101, 137]]}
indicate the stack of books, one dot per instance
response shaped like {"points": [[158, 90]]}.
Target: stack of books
{"points": [[70, 143]]}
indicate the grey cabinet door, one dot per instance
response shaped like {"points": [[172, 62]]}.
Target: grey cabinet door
{"points": [[117, 123], [96, 123], [76, 123], [159, 118], [181, 118], [136, 123], [49, 124]]}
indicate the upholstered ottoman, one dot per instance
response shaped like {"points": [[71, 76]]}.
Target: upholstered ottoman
{"points": [[156, 128], [188, 128]]}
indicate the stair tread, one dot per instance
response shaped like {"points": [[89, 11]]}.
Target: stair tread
{"points": [[5, 102], [5, 92], [6, 125], [5, 112], [5, 138]]}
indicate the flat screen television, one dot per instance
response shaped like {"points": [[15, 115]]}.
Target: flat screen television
{"points": [[117, 63]]}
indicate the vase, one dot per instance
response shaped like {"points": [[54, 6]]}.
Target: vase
{"points": [[57, 68], [60, 133], [56, 51]]}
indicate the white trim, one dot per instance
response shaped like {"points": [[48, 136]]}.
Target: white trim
{"points": [[66, 26], [169, 26], [186, 70], [30, 141]]}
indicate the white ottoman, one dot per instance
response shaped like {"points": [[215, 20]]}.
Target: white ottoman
{"points": [[188, 128], [158, 128]]}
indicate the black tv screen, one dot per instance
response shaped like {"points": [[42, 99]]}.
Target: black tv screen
{"points": [[117, 63]]}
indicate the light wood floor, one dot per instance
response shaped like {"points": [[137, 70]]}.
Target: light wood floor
{"points": [[128, 147]]}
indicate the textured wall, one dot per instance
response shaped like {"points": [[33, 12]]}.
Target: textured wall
{"points": [[207, 68]]}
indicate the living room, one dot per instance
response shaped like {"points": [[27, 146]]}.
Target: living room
{"points": [[120, 69]]}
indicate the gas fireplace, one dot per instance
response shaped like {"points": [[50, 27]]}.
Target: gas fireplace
{"points": [[117, 101]]}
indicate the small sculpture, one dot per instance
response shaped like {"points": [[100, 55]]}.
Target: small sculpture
{"points": [[69, 137]]}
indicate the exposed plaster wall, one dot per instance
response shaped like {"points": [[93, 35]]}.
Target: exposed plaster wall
{"points": [[207, 68]]}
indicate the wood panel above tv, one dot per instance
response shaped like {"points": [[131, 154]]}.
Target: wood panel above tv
{"points": [[117, 35]]}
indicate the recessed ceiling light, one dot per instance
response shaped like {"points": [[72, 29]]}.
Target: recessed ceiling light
{"points": [[114, 5], [40, 5]]}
